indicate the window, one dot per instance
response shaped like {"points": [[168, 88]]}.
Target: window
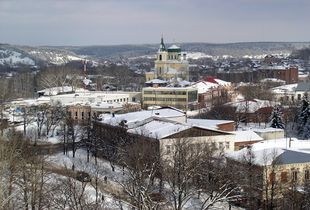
{"points": [[272, 177], [160, 57], [307, 175], [283, 177], [226, 145], [299, 96], [294, 176], [168, 148], [76, 115], [82, 115]]}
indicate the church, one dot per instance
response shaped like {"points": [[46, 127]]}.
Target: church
{"points": [[170, 64]]}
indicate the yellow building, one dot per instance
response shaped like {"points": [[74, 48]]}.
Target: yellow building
{"points": [[170, 63], [181, 98]]}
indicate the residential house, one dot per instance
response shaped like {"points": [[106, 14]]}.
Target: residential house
{"points": [[278, 166]]}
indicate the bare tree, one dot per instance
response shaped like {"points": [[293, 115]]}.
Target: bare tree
{"points": [[192, 170], [141, 167]]}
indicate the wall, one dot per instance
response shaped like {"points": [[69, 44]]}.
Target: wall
{"points": [[272, 134]]}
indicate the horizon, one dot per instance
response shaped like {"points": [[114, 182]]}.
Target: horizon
{"points": [[135, 22], [143, 44]]}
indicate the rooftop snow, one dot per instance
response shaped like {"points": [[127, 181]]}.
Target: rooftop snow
{"points": [[174, 47], [285, 88], [241, 136], [251, 106], [206, 123], [133, 118], [204, 86], [159, 129], [156, 81]]}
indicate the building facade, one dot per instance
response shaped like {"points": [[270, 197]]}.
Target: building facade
{"points": [[170, 63], [181, 98]]}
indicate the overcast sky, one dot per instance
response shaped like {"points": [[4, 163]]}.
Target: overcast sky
{"points": [[108, 22]]}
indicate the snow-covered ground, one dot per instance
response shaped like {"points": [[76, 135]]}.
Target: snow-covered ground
{"points": [[103, 168], [13, 58]]}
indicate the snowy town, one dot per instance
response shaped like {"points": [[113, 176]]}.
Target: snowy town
{"points": [[175, 143], [154, 105]]}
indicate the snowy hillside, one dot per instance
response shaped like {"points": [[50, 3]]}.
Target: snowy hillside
{"points": [[12, 58], [54, 57], [15, 56]]}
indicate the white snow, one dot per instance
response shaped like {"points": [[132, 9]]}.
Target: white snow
{"points": [[159, 129], [206, 123], [251, 106], [204, 86], [134, 118], [266, 151], [246, 136], [197, 55], [285, 88], [56, 90], [13, 58]]}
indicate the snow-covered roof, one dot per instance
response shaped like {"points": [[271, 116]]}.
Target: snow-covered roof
{"points": [[222, 82], [207, 123], [158, 129], [284, 88], [156, 81], [134, 118], [266, 130], [242, 136], [56, 90], [265, 157], [174, 47], [204, 86], [258, 157], [184, 83], [251, 106], [286, 151]]}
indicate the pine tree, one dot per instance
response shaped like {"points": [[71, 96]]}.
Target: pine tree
{"points": [[303, 118], [306, 131], [276, 119]]}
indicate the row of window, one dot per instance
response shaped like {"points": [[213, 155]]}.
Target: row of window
{"points": [[171, 57], [117, 100], [287, 98], [165, 99], [193, 147], [294, 176], [165, 92], [82, 116]]}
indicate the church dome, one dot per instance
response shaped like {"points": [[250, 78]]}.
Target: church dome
{"points": [[174, 48]]}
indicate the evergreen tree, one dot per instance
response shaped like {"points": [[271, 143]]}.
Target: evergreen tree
{"points": [[276, 119], [303, 118], [306, 131]]}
